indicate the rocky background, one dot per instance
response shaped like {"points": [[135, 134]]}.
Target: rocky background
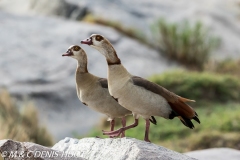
{"points": [[35, 33]]}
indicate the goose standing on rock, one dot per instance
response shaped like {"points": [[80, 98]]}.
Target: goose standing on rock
{"points": [[139, 95], [93, 91]]}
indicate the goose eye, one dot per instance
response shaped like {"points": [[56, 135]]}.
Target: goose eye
{"points": [[76, 48], [99, 38]]}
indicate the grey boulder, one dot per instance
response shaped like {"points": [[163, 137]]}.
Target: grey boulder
{"points": [[117, 149], [14, 150], [216, 153]]}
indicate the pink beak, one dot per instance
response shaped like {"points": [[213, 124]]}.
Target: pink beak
{"points": [[68, 53], [87, 41]]}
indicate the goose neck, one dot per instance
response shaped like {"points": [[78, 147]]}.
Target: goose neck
{"points": [[82, 67]]}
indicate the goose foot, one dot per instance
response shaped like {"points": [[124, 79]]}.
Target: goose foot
{"points": [[147, 140], [114, 133]]}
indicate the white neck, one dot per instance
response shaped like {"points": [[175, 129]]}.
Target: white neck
{"points": [[82, 66], [110, 54]]}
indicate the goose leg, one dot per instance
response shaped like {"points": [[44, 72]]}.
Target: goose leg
{"points": [[112, 123], [121, 130], [147, 131], [123, 125]]}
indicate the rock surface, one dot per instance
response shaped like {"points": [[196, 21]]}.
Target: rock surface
{"points": [[216, 153], [106, 149], [31, 64], [89, 148], [119, 148], [13, 150]]}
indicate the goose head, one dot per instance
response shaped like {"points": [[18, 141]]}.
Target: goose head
{"points": [[102, 44], [75, 52], [79, 54], [99, 42]]}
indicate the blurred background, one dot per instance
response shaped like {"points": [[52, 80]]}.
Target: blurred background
{"points": [[189, 47]]}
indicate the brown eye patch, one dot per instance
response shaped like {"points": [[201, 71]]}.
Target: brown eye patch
{"points": [[76, 48], [99, 38]]}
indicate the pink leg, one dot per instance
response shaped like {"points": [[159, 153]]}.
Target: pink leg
{"points": [[119, 131], [147, 131], [123, 125], [112, 123]]}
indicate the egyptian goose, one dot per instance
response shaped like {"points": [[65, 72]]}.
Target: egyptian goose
{"points": [[142, 97], [93, 91]]}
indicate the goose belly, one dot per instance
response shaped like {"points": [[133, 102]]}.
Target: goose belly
{"points": [[96, 100], [142, 101], [101, 101]]}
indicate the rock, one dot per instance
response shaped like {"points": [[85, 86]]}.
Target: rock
{"points": [[13, 150], [32, 65], [119, 148], [221, 17], [106, 149], [215, 153], [43, 7]]}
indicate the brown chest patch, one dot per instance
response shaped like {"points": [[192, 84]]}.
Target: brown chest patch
{"points": [[114, 63], [116, 60]]}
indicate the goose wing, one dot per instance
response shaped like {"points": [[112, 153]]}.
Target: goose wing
{"points": [[176, 102]]}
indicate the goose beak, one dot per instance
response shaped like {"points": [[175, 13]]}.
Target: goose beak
{"points": [[68, 53], [87, 41]]}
